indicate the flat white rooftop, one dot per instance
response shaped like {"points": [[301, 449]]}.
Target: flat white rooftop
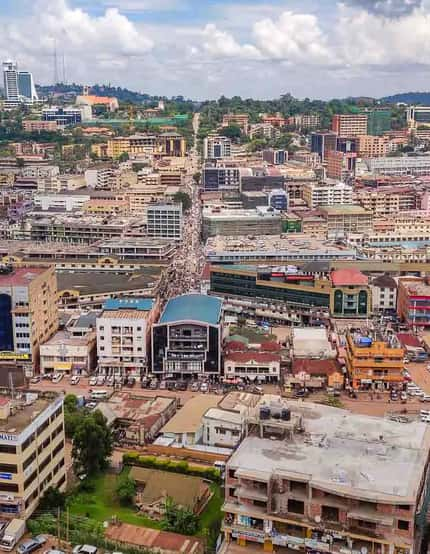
{"points": [[354, 455]]}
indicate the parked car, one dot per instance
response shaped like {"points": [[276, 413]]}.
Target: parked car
{"points": [[144, 383], [92, 381], [110, 381], [84, 549], [393, 395], [163, 385], [195, 386], [30, 545], [204, 387], [35, 379], [101, 380], [403, 396], [56, 378], [153, 384], [425, 398], [170, 385], [74, 379]]}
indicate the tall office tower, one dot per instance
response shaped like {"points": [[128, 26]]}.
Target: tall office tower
{"points": [[10, 79], [26, 88]]}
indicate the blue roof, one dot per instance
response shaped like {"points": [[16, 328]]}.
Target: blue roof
{"points": [[195, 307], [141, 304]]}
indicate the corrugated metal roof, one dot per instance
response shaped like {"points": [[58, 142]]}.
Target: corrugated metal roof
{"points": [[195, 307]]}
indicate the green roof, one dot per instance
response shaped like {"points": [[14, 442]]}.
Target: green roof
{"points": [[193, 307]]}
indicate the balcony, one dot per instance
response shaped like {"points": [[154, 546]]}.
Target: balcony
{"points": [[251, 493]]}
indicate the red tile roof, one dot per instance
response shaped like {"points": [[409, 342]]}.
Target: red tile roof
{"points": [[270, 346], [236, 345], [246, 357], [315, 367], [153, 539], [344, 277], [406, 339]]}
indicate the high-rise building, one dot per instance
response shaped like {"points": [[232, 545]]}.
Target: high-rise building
{"points": [[27, 90], [378, 121], [10, 81], [349, 125], [18, 85], [322, 143]]}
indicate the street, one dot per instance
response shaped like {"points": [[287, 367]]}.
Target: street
{"points": [[183, 274]]}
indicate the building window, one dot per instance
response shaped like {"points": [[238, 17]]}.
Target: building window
{"points": [[8, 468], [6, 449], [8, 487], [329, 513], [296, 506], [403, 525]]}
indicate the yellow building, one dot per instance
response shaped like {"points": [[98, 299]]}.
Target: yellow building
{"points": [[374, 363], [32, 453], [28, 313], [102, 206]]}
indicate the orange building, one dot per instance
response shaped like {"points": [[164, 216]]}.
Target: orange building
{"points": [[349, 125], [374, 363]]}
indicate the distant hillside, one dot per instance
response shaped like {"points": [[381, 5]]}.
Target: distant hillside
{"points": [[422, 98]]}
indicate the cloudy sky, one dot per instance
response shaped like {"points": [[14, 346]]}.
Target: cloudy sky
{"points": [[205, 48]]}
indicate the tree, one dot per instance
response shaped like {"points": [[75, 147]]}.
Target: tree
{"points": [[72, 415], [123, 157], [92, 444], [126, 489], [53, 498], [184, 199], [178, 519], [232, 131], [196, 177]]}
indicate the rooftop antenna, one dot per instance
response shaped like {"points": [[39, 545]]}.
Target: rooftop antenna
{"points": [[55, 63]]}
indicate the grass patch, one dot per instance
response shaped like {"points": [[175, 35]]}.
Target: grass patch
{"points": [[102, 503], [212, 513]]}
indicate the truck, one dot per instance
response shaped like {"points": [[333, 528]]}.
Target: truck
{"points": [[12, 534]]}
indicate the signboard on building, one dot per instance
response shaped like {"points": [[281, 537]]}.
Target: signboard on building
{"points": [[5, 355]]}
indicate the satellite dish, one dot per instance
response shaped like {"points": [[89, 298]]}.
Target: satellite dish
{"points": [[318, 520]]}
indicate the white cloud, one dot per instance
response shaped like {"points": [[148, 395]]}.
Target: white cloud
{"points": [[367, 39], [292, 37], [222, 44]]}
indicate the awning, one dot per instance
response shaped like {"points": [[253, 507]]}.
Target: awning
{"points": [[63, 366]]}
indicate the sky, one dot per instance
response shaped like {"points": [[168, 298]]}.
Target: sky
{"points": [[202, 49]]}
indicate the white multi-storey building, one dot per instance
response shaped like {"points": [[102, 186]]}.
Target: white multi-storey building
{"points": [[164, 221], [216, 147], [325, 194], [123, 335]]}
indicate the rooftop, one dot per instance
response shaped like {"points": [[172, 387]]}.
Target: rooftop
{"points": [[348, 276], [135, 407], [313, 366], [311, 342], [193, 307], [97, 282], [185, 490], [384, 280], [188, 418], [20, 276], [139, 304], [24, 414], [347, 209], [344, 453], [66, 339]]}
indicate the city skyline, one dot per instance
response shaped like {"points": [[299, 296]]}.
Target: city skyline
{"points": [[202, 50]]}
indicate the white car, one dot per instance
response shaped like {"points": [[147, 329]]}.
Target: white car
{"points": [[92, 381], [74, 379], [425, 397], [204, 387], [101, 380], [56, 378], [84, 549]]}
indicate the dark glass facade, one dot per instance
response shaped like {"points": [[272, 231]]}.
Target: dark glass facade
{"points": [[6, 323], [246, 285]]}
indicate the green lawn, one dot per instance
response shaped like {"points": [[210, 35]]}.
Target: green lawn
{"points": [[101, 504]]}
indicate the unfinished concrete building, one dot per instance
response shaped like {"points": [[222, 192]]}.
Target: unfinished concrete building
{"points": [[318, 479]]}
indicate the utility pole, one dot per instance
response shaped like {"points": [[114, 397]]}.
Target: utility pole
{"points": [[58, 526]]}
